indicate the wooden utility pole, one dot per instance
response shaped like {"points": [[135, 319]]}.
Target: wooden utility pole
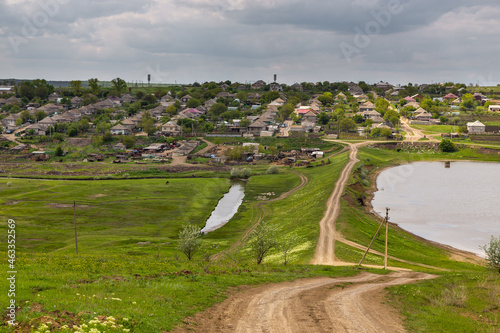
{"points": [[386, 235], [74, 222], [386, 221]]}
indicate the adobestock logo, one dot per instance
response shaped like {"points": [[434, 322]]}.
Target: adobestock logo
{"points": [[382, 18], [32, 25]]}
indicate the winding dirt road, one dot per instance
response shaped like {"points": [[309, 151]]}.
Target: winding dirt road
{"points": [[325, 248], [351, 304]]}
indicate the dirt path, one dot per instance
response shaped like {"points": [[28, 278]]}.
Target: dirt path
{"points": [[413, 135], [352, 304], [325, 251]]}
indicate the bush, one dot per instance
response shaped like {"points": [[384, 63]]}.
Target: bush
{"points": [[59, 151], [447, 146], [241, 173], [273, 170], [58, 137], [493, 253]]}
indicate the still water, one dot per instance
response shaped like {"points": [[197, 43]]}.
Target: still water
{"points": [[226, 208], [457, 206]]}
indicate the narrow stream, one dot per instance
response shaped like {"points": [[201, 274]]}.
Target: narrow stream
{"points": [[226, 208]]}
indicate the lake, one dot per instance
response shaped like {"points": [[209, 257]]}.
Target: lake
{"points": [[226, 208], [457, 206]]}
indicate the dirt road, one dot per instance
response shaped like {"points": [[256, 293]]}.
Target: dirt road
{"points": [[413, 134], [351, 304], [325, 251]]}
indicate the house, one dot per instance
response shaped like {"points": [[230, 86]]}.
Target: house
{"points": [[494, 108], [256, 127], [274, 86], [208, 104], [368, 106], [171, 128], [120, 129], [450, 97], [37, 128], [297, 86], [54, 97], [476, 127], [423, 116], [408, 99], [310, 117], [119, 146], [127, 98], [130, 124], [185, 98], [10, 121], [13, 100], [369, 114], [191, 113], [6, 90], [383, 85], [76, 102], [258, 85], [46, 122]]}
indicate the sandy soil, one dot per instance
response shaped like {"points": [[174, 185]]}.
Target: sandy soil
{"points": [[351, 304]]}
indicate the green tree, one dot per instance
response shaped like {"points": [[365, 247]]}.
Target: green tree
{"points": [[59, 151], [119, 85], [94, 86], [447, 146], [39, 115], [347, 124], [25, 117], [245, 122], [128, 141], [262, 240], [193, 103], [190, 240], [468, 101], [76, 87], [147, 123], [492, 251], [217, 109], [393, 117]]}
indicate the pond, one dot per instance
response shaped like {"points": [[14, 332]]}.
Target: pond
{"points": [[455, 203], [226, 208]]}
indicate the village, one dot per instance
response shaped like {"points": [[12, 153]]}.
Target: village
{"points": [[195, 123]]}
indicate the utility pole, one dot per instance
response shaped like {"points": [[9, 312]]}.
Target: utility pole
{"points": [[386, 221], [386, 235], [74, 222]]}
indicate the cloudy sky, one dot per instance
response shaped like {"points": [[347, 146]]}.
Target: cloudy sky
{"points": [[183, 41]]}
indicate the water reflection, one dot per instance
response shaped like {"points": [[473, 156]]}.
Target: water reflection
{"points": [[226, 208]]}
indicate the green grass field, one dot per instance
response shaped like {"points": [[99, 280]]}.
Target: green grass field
{"points": [[129, 266]]}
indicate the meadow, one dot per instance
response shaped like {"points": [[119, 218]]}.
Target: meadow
{"points": [[129, 266]]}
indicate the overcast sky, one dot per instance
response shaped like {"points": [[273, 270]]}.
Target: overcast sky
{"points": [[400, 41]]}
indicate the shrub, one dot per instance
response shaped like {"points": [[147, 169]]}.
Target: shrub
{"points": [[273, 170], [493, 252], [447, 146], [241, 173], [59, 151], [189, 240]]}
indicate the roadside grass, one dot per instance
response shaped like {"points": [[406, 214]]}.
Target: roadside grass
{"points": [[454, 302], [154, 294]]}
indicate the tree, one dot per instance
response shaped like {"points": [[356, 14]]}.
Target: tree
{"points": [[72, 130], [245, 122], [193, 103], [119, 85], [468, 101], [217, 109], [147, 123], [94, 86], [492, 251], [76, 86], [447, 146], [263, 239], [190, 240], [347, 124], [128, 141], [39, 115], [25, 116], [323, 118], [393, 117], [59, 151]]}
